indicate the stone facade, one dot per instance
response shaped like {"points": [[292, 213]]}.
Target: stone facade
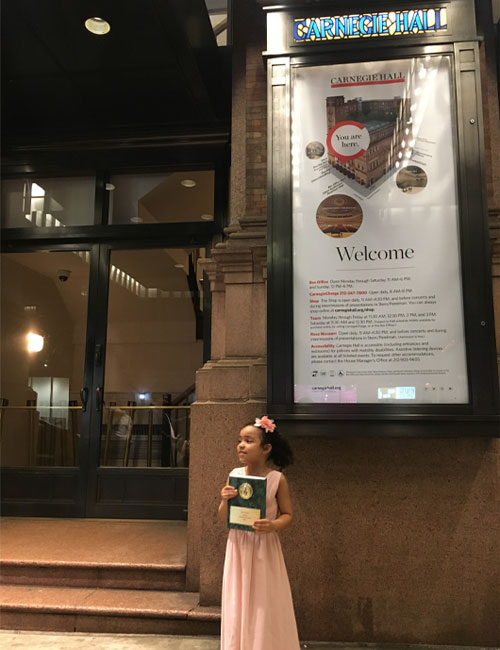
{"points": [[393, 540]]}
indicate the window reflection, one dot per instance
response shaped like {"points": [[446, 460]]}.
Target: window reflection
{"points": [[161, 198], [154, 347], [48, 202]]}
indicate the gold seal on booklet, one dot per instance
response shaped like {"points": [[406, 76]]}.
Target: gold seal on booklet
{"points": [[245, 491]]}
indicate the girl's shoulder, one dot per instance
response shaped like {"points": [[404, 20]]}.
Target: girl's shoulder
{"points": [[275, 475]]}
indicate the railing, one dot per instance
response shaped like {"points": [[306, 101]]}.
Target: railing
{"points": [[122, 423], [52, 438], [150, 436]]}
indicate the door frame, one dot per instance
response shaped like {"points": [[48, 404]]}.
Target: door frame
{"points": [[81, 491], [102, 482]]}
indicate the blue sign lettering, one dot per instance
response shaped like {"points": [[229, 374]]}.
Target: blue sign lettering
{"points": [[366, 25], [393, 23]]}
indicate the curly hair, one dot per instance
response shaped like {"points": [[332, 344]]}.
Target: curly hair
{"points": [[281, 453]]}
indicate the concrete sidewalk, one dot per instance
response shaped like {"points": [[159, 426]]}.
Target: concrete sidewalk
{"points": [[78, 641]]}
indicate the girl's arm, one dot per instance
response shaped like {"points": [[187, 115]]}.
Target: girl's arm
{"points": [[285, 508], [227, 492]]}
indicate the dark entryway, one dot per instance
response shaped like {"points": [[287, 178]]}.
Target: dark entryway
{"points": [[115, 164]]}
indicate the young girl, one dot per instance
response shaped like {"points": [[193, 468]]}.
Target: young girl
{"points": [[257, 608]]}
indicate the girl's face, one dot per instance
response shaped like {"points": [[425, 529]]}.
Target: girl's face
{"points": [[250, 449]]}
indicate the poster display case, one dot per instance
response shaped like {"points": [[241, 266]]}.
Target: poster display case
{"points": [[380, 307]]}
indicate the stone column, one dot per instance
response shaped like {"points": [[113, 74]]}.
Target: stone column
{"points": [[231, 387]]}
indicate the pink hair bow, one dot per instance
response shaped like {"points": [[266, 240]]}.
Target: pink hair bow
{"points": [[266, 423]]}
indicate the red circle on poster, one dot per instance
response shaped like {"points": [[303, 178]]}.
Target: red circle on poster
{"points": [[348, 140]]}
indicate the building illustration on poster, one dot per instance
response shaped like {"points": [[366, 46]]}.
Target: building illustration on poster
{"points": [[384, 120]]}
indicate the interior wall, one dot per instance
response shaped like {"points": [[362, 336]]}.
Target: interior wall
{"points": [[153, 355], [22, 286], [151, 346]]}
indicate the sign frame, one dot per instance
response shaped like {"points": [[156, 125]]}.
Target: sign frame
{"points": [[480, 416], [460, 17]]}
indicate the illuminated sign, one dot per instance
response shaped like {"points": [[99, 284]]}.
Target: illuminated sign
{"points": [[398, 392], [369, 25]]}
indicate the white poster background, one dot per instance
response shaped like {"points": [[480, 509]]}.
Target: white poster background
{"points": [[385, 327]]}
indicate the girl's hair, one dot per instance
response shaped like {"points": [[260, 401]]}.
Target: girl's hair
{"points": [[281, 452]]}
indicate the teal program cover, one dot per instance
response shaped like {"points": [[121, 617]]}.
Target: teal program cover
{"points": [[250, 502]]}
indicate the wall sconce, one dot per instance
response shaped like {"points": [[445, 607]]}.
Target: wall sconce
{"points": [[35, 342]]}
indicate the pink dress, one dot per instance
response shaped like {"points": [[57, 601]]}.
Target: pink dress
{"points": [[257, 608]]}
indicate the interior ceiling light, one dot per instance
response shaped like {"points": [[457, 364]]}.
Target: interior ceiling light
{"points": [[98, 26], [188, 182], [136, 219], [207, 217], [178, 266]]}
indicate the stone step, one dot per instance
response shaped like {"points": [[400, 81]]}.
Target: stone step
{"points": [[78, 609], [165, 577]]}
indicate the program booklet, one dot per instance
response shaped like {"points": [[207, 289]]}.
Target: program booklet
{"points": [[250, 502]]}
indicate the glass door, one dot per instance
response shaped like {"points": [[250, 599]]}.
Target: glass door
{"points": [[149, 346], [99, 353], [44, 425]]}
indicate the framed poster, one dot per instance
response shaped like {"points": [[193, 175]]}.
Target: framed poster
{"points": [[377, 286], [380, 310]]}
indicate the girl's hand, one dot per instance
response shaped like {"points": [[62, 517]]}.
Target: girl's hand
{"points": [[228, 492], [263, 526]]}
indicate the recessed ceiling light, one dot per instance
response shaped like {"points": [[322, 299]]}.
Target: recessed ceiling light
{"points": [[178, 266], [110, 187], [98, 26], [136, 219], [188, 182], [207, 217]]}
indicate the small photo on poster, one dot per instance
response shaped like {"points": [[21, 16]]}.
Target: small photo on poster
{"points": [[339, 216], [411, 179]]}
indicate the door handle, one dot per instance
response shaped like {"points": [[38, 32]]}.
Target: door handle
{"points": [[84, 396], [98, 354], [98, 398]]}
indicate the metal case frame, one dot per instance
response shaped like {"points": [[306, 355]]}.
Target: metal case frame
{"points": [[480, 416]]}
